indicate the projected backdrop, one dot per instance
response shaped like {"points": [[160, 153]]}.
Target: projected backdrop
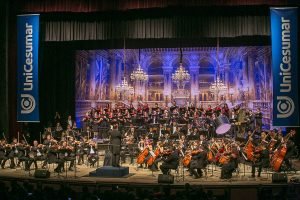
{"points": [[243, 75]]}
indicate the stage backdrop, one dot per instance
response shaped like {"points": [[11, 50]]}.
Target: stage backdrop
{"points": [[245, 72]]}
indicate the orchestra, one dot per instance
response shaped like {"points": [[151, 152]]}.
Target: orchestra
{"points": [[160, 137]]}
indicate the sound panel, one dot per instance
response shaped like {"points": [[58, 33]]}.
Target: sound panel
{"points": [[41, 173], [163, 178], [279, 178]]}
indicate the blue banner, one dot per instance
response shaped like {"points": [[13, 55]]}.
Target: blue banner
{"points": [[284, 66], [28, 47]]}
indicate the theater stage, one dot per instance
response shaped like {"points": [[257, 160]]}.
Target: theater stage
{"points": [[138, 176]]}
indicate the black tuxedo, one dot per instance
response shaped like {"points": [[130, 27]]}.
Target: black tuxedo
{"points": [[171, 162], [115, 140]]}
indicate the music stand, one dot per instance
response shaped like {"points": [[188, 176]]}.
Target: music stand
{"points": [[193, 137]]}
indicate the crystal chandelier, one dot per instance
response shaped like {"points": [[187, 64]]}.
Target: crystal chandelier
{"points": [[218, 86], [139, 75], [124, 87], [181, 75]]}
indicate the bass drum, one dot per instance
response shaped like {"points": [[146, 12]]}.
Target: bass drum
{"points": [[222, 125]]}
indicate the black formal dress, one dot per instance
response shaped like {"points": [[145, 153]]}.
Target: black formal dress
{"points": [[115, 141]]}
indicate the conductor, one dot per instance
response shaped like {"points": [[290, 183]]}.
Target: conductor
{"points": [[115, 141]]}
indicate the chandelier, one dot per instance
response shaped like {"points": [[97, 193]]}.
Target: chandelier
{"points": [[139, 75], [218, 86], [124, 87], [181, 75]]}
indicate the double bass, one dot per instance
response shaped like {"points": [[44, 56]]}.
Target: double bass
{"points": [[280, 153]]}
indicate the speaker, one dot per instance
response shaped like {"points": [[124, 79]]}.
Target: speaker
{"points": [[41, 173], [279, 178], [163, 178]]}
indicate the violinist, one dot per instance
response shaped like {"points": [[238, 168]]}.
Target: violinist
{"points": [[92, 153], [23, 154], [170, 162], [261, 159], [82, 149], [11, 152], [37, 153], [52, 156], [3, 155], [66, 153], [198, 162]]}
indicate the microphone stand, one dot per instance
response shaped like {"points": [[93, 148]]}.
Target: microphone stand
{"points": [[75, 165]]}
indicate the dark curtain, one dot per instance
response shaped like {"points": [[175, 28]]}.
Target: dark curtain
{"points": [[3, 70], [166, 28], [108, 5], [57, 81]]}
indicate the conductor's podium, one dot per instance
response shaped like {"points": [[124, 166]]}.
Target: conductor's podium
{"points": [[110, 172]]}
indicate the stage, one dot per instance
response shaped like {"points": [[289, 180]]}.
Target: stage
{"points": [[141, 176], [241, 184]]}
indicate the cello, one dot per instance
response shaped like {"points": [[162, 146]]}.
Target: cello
{"points": [[153, 157], [249, 148], [141, 157]]}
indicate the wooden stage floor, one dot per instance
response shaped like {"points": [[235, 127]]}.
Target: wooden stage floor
{"points": [[140, 176]]}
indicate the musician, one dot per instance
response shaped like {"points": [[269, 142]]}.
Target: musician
{"points": [[130, 135], [57, 117], [171, 162], [261, 159], [195, 133], [158, 156], [198, 162], [251, 121], [229, 167], [173, 106], [12, 153], [92, 153], [189, 130], [3, 154], [36, 153], [23, 150], [218, 110], [225, 110], [258, 119], [174, 128], [66, 153], [154, 118], [115, 140], [69, 121], [289, 144], [209, 111], [52, 156]]}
